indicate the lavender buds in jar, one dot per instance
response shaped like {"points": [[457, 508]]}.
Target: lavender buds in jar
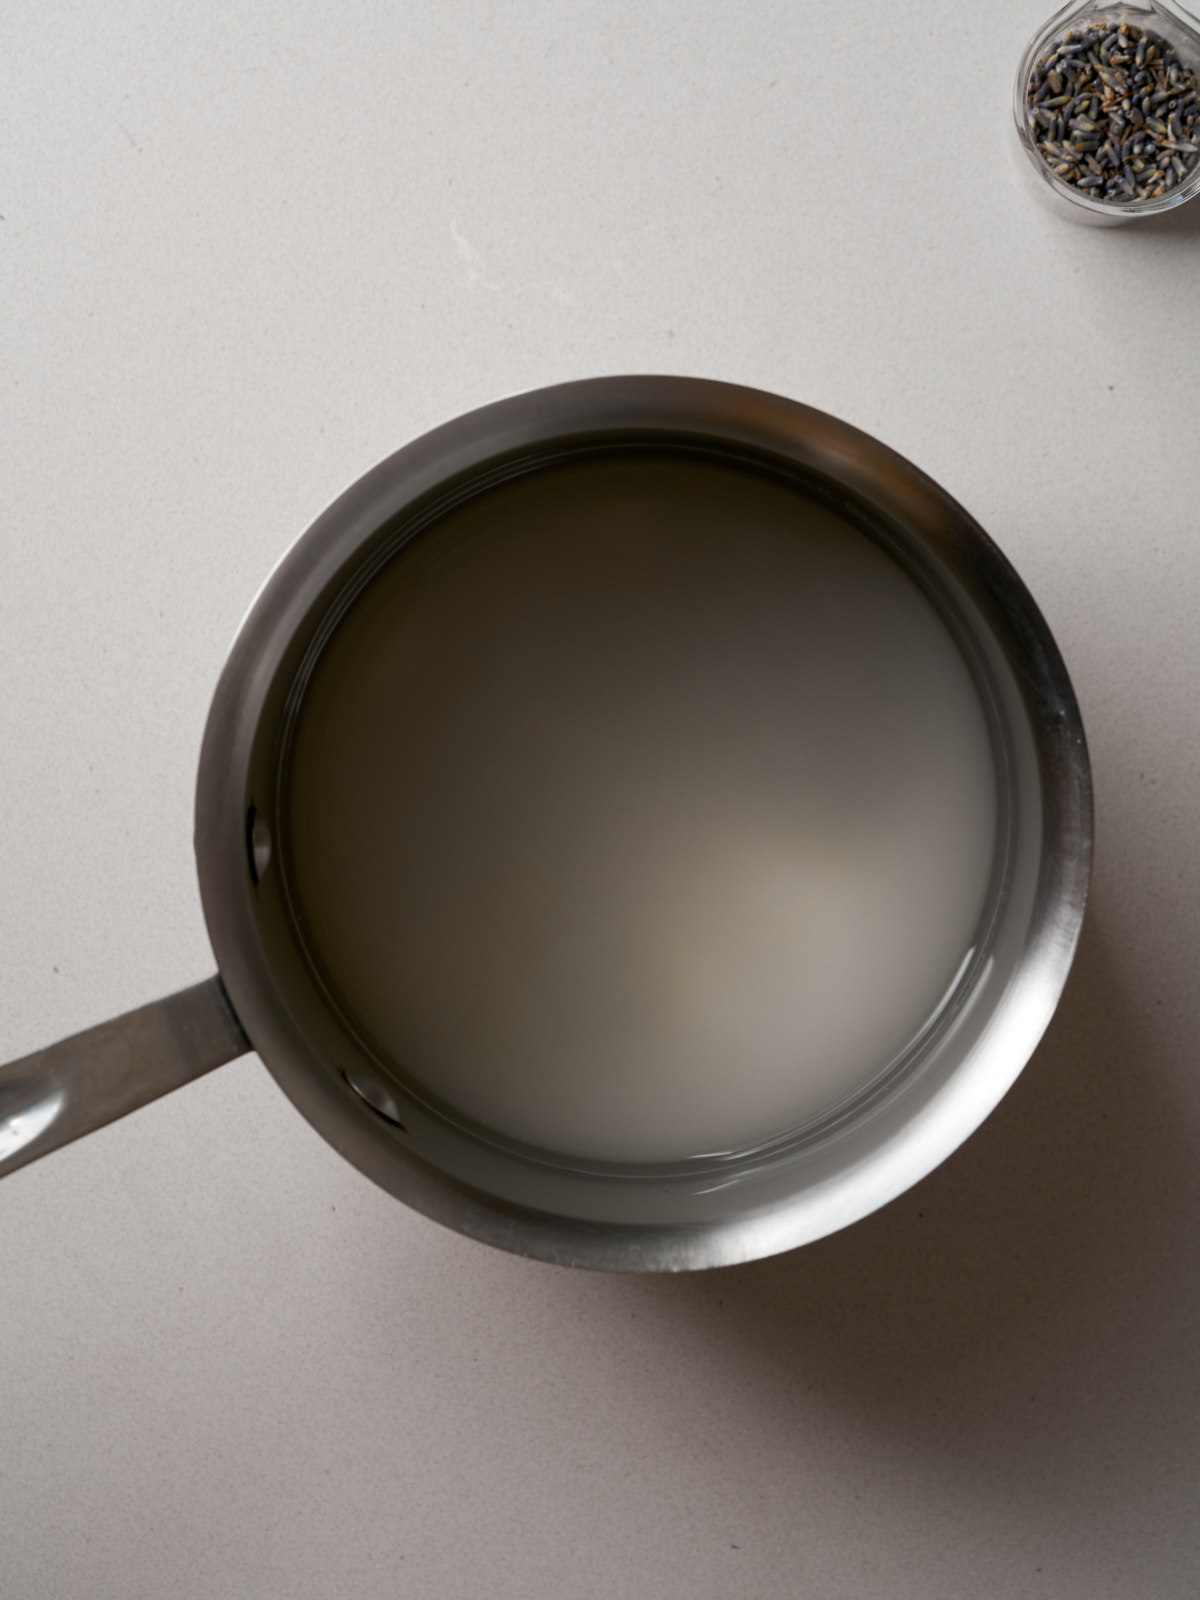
{"points": [[1106, 109]]}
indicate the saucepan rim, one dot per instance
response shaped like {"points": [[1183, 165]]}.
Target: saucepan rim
{"points": [[541, 425]]}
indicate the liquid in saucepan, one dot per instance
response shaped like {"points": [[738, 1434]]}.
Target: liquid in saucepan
{"points": [[642, 808]]}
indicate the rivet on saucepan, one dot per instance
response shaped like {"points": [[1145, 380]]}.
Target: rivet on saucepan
{"points": [[373, 1094], [258, 843]]}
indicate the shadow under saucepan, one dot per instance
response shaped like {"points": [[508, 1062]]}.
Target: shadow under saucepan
{"points": [[1030, 1309], [1182, 223]]}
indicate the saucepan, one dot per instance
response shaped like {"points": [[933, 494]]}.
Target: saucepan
{"points": [[534, 1189]]}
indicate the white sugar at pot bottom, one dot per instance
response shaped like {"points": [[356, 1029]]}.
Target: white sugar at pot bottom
{"points": [[640, 809]]}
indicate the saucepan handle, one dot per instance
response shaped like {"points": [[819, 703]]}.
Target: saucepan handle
{"points": [[73, 1087]]}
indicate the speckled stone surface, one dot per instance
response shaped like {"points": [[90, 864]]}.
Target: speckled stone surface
{"points": [[246, 252]]}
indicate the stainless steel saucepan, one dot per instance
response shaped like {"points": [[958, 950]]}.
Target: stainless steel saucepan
{"points": [[269, 997]]}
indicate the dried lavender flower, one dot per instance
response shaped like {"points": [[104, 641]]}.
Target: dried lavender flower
{"points": [[1112, 111]]}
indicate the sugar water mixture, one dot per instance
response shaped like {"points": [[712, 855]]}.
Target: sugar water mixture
{"points": [[641, 809]]}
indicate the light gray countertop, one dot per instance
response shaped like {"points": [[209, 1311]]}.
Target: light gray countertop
{"points": [[248, 251]]}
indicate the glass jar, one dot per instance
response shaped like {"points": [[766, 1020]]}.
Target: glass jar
{"points": [[1088, 190]]}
